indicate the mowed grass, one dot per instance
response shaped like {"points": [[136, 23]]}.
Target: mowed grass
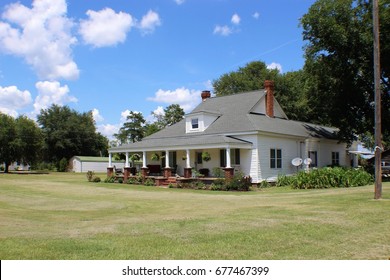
{"points": [[62, 216]]}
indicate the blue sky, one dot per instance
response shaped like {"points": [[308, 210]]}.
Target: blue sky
{"points": [[116, 56]]}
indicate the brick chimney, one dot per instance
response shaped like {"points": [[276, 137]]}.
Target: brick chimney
{"points": [[269, 98], [205, 94]]}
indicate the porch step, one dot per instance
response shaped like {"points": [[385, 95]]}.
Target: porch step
{"points": [[170, 180]]}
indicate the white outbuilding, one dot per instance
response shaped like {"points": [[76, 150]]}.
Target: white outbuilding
{"points": [[96, 164]]}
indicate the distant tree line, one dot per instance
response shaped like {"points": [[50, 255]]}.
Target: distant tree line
{"points": [[67, 133], [59, 134]]}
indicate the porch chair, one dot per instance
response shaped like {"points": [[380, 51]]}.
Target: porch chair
{"points": [[118, 171]]}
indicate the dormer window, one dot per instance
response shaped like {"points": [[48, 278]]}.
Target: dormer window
{"points": [[199, 121], [195, 123]]}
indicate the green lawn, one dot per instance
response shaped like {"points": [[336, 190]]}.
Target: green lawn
{"points": [[62, 216]]}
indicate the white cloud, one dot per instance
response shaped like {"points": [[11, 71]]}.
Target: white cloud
{"points": [[149, 22], [275, 65], [105, 27], [236, 19], [10, 112], [159, 111], [108, 130], [41, 35], [124, 115], [179, 2], [186, 98], [223, 30], [256, 15], [13, 99], [96, 115], [51, 93]]}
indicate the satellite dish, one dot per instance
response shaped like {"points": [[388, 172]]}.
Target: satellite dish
{"points": [[296, 161], [307, 161]]}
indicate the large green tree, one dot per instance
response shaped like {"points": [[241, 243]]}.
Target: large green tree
{"points": [[68, 133], [339, 65], [21, 140], [7, 140], [136, 127], [133, 130], [291, 89], [172, 114], [247, 78], [29, 141]]}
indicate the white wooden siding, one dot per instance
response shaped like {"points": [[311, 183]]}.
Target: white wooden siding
{"points": [[327, 147], [290, 150], [85, 166]]}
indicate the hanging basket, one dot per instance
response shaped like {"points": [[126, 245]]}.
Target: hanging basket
{"points": [[155, 157], [206, 156], [135, 157]]}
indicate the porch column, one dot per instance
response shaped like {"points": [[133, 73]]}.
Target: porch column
{"points": [[110, 168], [144, 159], [127, 160], [166, 159], [188, 160], [126, 174], [167, 169], [144, 169], [110, 171], [188, 169], [228, 161], [229, 171], [109, 160]]}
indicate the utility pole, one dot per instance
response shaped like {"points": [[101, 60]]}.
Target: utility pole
{"points": [[378, 122]]}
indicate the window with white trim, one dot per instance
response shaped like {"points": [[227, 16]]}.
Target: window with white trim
{"points": [[335, 158], [234, 157], [313, 156], [195, 123], [275, 158]]}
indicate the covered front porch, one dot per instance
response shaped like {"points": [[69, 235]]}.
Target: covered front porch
{"points": [[168, 165]]}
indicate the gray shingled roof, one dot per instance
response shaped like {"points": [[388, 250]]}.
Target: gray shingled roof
{"points": [[235, 115], [182, 143]]}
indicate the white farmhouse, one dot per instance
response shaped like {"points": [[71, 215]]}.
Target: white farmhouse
{"points": [[247, 132]]}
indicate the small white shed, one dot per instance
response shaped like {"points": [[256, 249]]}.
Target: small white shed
{"points": [[96, 164]]}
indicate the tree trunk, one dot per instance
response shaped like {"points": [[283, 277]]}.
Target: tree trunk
{"points": [[6, 166]]}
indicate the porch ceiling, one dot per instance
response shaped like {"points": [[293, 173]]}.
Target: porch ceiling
{"points": [[183, 143]]}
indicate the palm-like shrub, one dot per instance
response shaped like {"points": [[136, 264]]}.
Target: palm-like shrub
{"points": [[328, 177]]}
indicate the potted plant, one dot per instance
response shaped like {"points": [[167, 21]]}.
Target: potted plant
{"points": [[195, 173]]}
